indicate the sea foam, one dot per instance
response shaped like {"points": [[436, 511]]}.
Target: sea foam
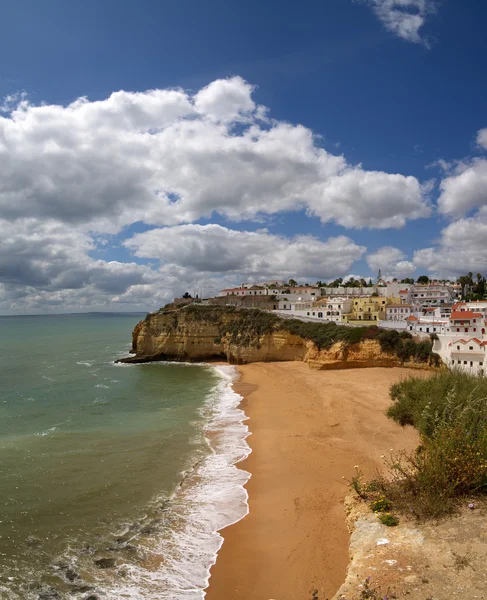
{"points": [[211, 497]]}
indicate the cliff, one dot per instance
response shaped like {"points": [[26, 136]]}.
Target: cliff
{"points": [[415, 560], [240, 336]]}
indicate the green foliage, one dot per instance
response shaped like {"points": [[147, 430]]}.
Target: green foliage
{"points": [[324, 335], [388, 519], [389, 340], [449, 410], [423, 279], [380, 504], [404, 347]]}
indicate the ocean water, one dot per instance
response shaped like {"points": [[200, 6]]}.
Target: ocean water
{"points": [[114, 479]]}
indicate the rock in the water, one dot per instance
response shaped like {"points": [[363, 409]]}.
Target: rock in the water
{"points": [[105, 563]]}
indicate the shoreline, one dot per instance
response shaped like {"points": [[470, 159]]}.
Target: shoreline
{"points": [[308, 430]]}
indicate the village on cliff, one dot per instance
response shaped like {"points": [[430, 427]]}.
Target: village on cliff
{"points": [[453, 315]]}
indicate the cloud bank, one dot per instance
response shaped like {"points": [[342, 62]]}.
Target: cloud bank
{"points": [[74, 177]]}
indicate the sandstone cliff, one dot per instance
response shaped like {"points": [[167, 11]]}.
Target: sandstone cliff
{"points": [[244, 336]]}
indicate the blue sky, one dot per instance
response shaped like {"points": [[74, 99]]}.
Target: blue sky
{"points": [[393, 93]]}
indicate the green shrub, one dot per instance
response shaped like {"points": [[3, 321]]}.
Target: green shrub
{"points": [[380, 504], [388, 519], [450, 412], [389, 341]]}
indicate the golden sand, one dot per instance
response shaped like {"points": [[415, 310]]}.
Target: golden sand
{"points": [[309, 429]]}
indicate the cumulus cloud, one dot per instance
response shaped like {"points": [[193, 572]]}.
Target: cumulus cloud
{"points": [[217, 249], [404, 18], [42, 261], [461, 248], [482, 138], [167, 157], [465, 189], [391, 261], [73, 175]]}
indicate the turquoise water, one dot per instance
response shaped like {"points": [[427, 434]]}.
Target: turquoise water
{"points": [[130, 465]]}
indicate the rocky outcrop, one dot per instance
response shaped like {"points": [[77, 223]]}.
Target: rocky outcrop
{"points": [[418, 561], [178, 335], [195, 335]]}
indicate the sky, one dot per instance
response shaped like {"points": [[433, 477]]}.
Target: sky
{"points": [[153, 147]]}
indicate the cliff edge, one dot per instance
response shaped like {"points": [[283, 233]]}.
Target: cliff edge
{"points": [[240, 336]]}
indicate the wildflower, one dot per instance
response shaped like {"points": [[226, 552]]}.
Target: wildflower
{"points": [[382, 456], [471, 506]]}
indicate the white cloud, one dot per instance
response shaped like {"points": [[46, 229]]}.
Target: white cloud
{"points": [[216, 249], [371, 198], [404, 18], [167, 157], [48, 262], [461, 248], [464, 190], [73, 176], [391, 261], [482, 138]]}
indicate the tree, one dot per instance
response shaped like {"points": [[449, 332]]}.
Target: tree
{"points": [[407, 280], [336, 282], [187, 295], [423, 279], [293, 283]]}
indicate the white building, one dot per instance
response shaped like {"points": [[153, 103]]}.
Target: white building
{"points": [[468, 355], [426, 325], [353, 291], [462, 345], [398, 312], [432, 295]]}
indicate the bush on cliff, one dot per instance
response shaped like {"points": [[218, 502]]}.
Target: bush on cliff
{"points": [[449, 410]]}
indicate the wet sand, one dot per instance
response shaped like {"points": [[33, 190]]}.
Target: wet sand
{"points": [[309, 429]]}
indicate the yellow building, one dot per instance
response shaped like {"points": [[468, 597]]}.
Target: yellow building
{"points": [[368, 309]]}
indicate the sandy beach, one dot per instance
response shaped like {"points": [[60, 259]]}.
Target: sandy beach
{"points": [[309, 429]]}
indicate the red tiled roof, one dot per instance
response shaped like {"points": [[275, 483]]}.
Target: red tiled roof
{"points": [[458, 304], [464, 315], [462, 341], [412, 318]]}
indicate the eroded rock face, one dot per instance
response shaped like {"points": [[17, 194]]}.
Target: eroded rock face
{"points": [[178, 335], [418, 561]]}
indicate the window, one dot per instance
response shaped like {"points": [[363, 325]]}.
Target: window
{"points": [[471, 363], [464, 362], [459, 362], [470, 347], [458, 347]]}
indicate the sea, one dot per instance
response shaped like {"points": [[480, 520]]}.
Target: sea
{"points": [[115, 479]]}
